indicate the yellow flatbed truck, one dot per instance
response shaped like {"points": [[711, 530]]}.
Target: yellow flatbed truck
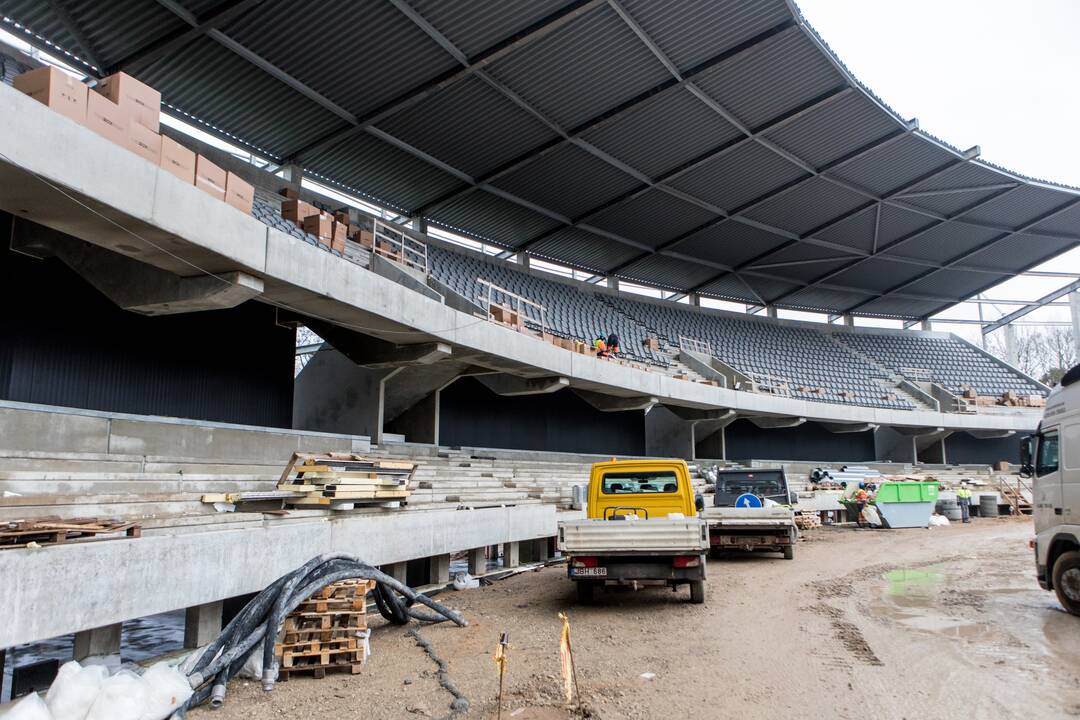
{"points": [[641, 528]]}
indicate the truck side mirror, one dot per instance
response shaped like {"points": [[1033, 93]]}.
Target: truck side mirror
{"points": [[1027, 452], [793, 498], [699, 502]]}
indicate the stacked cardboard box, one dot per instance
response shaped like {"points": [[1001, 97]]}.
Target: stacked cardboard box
{"points": [[331, 229], [128, 113]]}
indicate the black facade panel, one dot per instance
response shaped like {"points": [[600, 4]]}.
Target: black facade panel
{"points": [[963, 449], [809, 441], [63, 343], [472, 415]]}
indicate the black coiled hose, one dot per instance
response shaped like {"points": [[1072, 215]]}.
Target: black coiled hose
{"points": [[261, 619]]}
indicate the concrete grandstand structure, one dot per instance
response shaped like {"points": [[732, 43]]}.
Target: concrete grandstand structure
{"points": [[711, 149]]}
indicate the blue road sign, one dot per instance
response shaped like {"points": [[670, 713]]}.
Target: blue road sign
{"points": [[748, 500]]}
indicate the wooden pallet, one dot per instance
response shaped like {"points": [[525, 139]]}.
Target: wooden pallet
{"points": [[318, 671], [342, 480], [324, 632], [53, 531]]}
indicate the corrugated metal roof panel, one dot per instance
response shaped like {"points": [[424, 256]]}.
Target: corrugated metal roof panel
{"points": [[856, 232], [584, 181], [1019, 207], [579, 248], [951, 283], [810, 205], [1066, 222], [895, 166], [808, 272], [771, 79], [739, 176], [478, 25], [582, 69], [488, 217], [843, 126], [205, 80], [769, 289], [877, 274], [695, 31], [668, 272], [902, 308], [381, 54], [944, 242], [730, 243], [1016, 251], [380, 171], [652, 218], [470, 126], [818, 299], [729, 287], [665, 132], [897, 223]]}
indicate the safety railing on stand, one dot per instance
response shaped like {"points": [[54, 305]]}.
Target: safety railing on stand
{"points": [[508, 307], [393, 243], [769, 383], [689, 344], [917, 374]]}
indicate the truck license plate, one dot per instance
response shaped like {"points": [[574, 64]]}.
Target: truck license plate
{"points": [[589, 572]]}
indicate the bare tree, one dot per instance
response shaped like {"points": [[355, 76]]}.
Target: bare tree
{"points": [[1059, 353], [1045, 353], [1029, 358]]}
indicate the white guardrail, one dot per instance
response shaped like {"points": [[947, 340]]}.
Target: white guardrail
{"points": [[496, 296]]}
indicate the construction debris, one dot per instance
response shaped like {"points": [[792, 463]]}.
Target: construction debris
{"points": [[343, 480], [53, 530]]}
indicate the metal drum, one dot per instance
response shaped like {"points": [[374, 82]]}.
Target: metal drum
{"points": [[988, 506]]}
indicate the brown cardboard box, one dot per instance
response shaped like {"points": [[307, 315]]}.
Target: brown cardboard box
{"points": [[365, 238], [107, 119], [341, 217], [177, 159], [289, 193], [338, 244], [56, 89], [321, 226], [340, 232], [238, 193], [297, 210], [142, 102], [210, 178], [144, 142]]}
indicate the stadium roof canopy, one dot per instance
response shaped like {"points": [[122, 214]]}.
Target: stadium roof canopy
{"points": [[711, 146]]}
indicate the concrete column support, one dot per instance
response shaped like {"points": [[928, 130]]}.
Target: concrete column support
{"points": [[1074, 311], [99, 641], [541, 548], [477, 561], [524, 259], [202, 623], [511, 554], [695, 299], [927, 325], [292, 173], [771, 311], [849, 320], [439, 572], [1010, 344], [398, 571], [613, 283]]}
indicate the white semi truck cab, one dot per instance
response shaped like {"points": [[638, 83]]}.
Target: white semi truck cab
{"points": [[1052, 458]]}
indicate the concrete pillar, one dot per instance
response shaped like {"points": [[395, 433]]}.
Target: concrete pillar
{"points": [[712, 446], [695, 299], [1010, 344], [771, 311], [613, 283], [439, 569], [1074, 311], [524, 259], [541, 548], [927, 324], [420, 423], [849, 320], [668, 435], [421, 224], [511, 554], [292, 173], [99, 641], [398, 571], [202, 623], [478, 561]]}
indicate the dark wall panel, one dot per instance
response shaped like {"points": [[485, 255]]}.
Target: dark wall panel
{"points": [[809, 441], [472, 415], [963, 449], [69, 345]]}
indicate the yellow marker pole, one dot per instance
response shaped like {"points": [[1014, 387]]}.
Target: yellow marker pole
{"points": [[566, 657], [501, 656]]}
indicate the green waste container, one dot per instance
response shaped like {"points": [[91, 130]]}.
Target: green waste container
{"points": [[906, 504]]}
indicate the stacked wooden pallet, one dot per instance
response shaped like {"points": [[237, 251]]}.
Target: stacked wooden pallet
{"points": [[53, 530], [344, 480], [326, 633]]}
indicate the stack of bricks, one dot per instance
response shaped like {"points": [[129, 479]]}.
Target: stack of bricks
{"points": [[327, 632]]}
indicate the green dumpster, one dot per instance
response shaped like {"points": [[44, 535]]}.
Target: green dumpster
{"points": [[906, 504]]}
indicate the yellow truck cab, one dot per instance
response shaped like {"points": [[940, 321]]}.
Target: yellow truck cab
{"points": [[646, 488], [641, 528]]}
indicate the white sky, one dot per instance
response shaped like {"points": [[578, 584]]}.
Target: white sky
{"points": [[1000, 74]]}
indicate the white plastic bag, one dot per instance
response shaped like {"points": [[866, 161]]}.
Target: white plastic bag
{"points": [[938, 521], [31, 707], [465, 581], [167, 689], [74, 690], [122, 697]]}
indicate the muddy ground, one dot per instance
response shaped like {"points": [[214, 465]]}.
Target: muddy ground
{"points": [[939, 623]]}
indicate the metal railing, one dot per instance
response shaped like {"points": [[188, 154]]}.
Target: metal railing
{"points": [[689, 344], [395, 244], [769, 383], [527, 310], [918, 374]]}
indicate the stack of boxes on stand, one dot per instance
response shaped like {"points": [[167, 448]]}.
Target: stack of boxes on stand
{"points": [[332, 229], [127, 112], [1010, 399], [328, 631]]}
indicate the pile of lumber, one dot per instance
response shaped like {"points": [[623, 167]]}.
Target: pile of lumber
{"points": [[807, 519], [344, 480], [52, 530], [327, 632]]}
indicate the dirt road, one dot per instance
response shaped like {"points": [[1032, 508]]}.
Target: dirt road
{"points": [[941, 623]]}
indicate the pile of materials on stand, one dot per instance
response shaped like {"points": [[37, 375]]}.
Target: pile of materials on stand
{"points": [[53, 530], [340, 481]]}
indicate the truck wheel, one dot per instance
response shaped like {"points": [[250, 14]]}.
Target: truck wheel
{"points": [[697, 591], [1066, 580], [789, 552], [586, 592]]}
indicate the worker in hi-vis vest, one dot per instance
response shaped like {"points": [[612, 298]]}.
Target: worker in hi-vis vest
{"points": [[963, 498]]}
